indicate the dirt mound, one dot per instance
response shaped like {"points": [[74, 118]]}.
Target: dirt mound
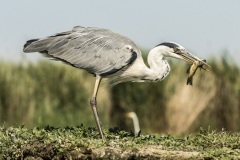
{"points": [[39, 151]]}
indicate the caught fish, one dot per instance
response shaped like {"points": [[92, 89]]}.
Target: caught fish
{"points": [[192, 70]]}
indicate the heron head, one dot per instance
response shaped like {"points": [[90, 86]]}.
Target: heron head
{"points": [[171, 49]]}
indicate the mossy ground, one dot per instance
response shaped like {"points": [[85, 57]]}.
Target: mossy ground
{"points": [[84, 143]]}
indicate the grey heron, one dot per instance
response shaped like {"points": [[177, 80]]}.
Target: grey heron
{"points": [[107, 54]]}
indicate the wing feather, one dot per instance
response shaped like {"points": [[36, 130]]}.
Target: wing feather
{"points": [[99, 51]]}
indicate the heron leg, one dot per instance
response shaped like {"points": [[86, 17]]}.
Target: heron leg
{"points": [[93, 103]]}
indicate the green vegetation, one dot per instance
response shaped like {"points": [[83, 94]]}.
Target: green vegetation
{"points": [[44, 93], [172, 106], [50, 94], [83, 143]]}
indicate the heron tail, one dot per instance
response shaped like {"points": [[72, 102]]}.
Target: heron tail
{"points": [[29, 42], [37, 45], [43, 45]]}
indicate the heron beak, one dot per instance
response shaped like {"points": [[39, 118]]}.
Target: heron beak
{"points": [[188, 57]]}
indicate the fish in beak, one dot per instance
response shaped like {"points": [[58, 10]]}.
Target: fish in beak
{"points": [[195, 64], [188, 57], [192, 70]]}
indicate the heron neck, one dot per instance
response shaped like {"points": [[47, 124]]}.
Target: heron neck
{"points": [[159, 67]]}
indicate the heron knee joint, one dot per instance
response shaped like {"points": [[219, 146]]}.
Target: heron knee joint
{"points": [[93, 101]]}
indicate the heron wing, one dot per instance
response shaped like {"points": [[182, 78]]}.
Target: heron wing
{"points": [[99, 51]]}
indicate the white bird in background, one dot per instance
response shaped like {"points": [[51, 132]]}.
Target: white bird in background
{"points": [[107, 54], [134, 118]]}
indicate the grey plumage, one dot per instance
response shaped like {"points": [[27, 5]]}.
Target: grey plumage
{"points": [[85, 47]]}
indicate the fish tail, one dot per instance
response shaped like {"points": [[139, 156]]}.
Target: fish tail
{"points": [[189, 81]]}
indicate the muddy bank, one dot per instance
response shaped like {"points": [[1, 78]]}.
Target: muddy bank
{"points": [[42, 151]]}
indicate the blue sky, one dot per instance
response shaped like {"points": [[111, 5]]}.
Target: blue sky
{"points": [[205, 27]]}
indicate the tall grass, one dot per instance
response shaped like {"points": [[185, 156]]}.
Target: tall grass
{"points": [[48, 93], [174, 107], [44, 93]]}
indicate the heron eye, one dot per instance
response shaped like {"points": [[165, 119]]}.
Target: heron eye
{"points": [[178, 50]]}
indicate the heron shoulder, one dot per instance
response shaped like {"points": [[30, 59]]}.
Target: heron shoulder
{"points": [[118, 40]]}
